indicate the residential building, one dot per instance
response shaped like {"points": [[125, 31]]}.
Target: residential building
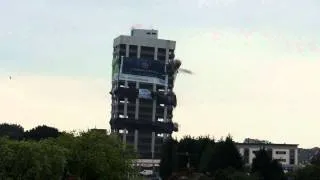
{"points": [[286, 154]]}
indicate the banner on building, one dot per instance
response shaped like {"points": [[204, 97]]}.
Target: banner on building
{"points": [[140, 70], [141, 79], [143, 67], [145, 94]]}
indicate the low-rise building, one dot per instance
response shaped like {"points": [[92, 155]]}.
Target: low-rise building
{"points": [[286, 154]]}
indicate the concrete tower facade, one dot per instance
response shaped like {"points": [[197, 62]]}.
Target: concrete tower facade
{"points": [[143, 73]]}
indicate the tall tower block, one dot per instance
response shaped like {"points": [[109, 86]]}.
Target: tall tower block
{"points": [[143, 73]]}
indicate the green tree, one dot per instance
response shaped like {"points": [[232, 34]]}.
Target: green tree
{"points": [[31, 160], [22, 161], [41, 132], [89, 155], [265, 167], [94, 155], [168, 163], [206, 156], [315, 160], [201, 144], [261, 163], [225, 155], [202, 153], [190, 151], [13, 131], [187, 153], [232, 174], [310, 172], [53, 159]]}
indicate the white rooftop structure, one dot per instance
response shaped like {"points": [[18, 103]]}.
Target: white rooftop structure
{"points": [[147, 33]]}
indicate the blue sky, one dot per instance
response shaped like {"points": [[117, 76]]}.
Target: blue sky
{"points": [[255, 62]]}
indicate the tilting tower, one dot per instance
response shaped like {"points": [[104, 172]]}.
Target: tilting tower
{"points": [[143, 73]]}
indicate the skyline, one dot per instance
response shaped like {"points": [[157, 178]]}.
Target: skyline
{"points": [[255, 64]]}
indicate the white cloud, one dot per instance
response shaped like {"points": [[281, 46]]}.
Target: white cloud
{"points": [[64, 102]]}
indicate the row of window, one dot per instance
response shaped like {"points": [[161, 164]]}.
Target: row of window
{"points": [[145, 52], [153, 33], [141, 85], [159, 117], [277, 152]]}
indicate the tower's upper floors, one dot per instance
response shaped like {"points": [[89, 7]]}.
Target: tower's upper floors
{"points": [[143, 44]]}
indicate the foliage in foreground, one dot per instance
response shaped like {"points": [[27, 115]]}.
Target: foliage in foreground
{"points": [[215, 160], [310, 172], [201, 154], [265, 167], [91, 155]]}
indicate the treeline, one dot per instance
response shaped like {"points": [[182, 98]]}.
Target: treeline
{"points": [[45, 153], [17, 132], [311, 171], [219, 160]]}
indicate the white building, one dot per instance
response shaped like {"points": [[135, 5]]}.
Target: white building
{"points": [[286, 154]]}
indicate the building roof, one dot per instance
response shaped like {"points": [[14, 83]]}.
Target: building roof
{"points": [[144, 41], [264, 144]]}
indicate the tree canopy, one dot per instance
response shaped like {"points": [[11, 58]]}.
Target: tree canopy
{"points": [[45, 153], [311, 171], [168, 163], [12, 131], [199, 154], [225, 155], [41, 132], [90, 155], [265, 167]]}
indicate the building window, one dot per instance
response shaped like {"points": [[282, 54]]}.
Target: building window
{"points": [[133, 54], [147, 52], [171, 54], [281, 152], [162, 51], [281, 160], [161, 57], [120, 50], [292, 156]]}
